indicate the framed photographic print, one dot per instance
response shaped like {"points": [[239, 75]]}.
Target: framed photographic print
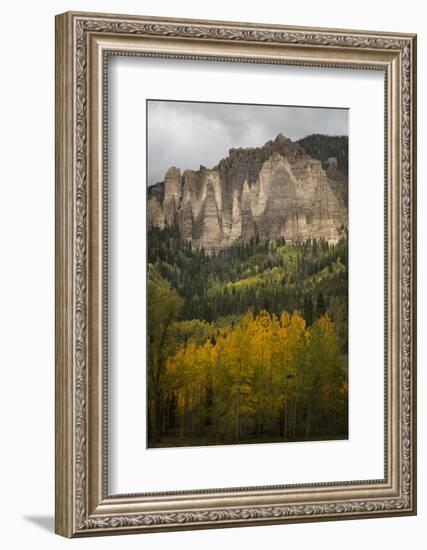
{"points": [[235, 274]]}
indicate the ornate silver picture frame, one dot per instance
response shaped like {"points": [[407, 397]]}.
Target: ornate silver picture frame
{"points": [[84, 42]]}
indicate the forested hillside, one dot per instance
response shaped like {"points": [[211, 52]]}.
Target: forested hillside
{"points": [[323, 147], [248, 344]]}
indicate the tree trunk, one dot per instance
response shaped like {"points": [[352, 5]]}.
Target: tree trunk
{"points": [[308, 421], [157, 417], [285, 419], [295, 417], [237, 413], [176, 412]]}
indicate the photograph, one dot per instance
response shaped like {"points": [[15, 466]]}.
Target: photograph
{"points": [[247, 273]]}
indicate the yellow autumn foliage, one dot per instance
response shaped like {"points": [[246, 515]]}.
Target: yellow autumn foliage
{"points": [[264, 375]]}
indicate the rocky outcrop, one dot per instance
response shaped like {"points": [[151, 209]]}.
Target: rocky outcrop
{"points": [[155, 214], [338, 179], [273, 191]]}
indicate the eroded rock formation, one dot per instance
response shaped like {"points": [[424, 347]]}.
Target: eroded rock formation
{"points": [[267, 192]]}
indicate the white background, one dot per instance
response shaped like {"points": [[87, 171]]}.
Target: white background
{"points": [[27, 275], [133, 468]]}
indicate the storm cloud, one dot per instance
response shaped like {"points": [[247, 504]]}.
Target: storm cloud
{"points": [[188, 134]]}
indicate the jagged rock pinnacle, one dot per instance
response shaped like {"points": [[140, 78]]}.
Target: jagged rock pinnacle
{"points": [[273, 191]]}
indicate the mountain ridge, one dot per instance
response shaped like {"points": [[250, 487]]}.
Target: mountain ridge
{"points": [[277, 190]]}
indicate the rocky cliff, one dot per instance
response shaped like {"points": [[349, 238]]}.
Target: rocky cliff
{"points": [[277, 190]]}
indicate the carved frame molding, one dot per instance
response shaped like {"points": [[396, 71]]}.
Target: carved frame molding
{"points": [[83, 42]]}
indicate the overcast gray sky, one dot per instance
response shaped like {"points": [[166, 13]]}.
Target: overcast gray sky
{"points": [[186, 134]]}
